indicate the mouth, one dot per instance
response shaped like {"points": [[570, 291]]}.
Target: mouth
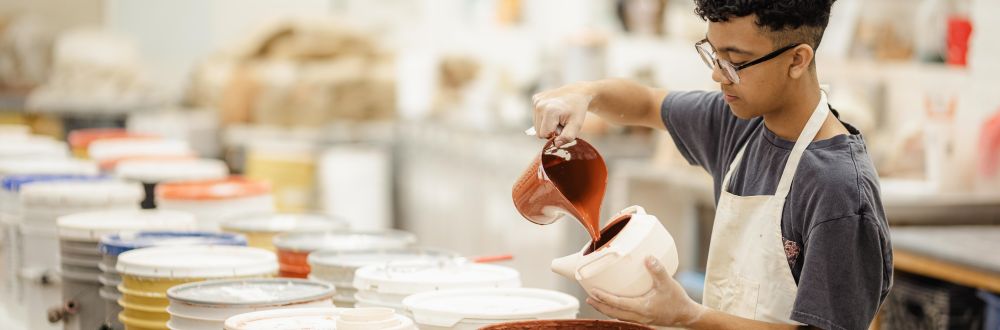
{"points": [[729, 97]]}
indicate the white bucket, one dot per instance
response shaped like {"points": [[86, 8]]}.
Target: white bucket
{"points": [[41, 204], [338, 267], [34, 146], [387, 286], [214, 201], [476, 308], [261, 228], [294, 249], [206, 305], [80, 257], [11, 290], [356, 182], [122, 148], [320, 318]]}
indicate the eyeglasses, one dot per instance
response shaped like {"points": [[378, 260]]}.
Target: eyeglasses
{"points": [[729, 70]]}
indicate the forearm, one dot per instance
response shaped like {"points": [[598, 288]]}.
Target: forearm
{"points": [[625, 102], [713, 319]]}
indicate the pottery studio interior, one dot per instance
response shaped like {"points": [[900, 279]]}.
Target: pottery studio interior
{"points": [[499, 164]]}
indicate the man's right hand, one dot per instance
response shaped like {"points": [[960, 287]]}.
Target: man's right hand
{"points": [[560, 112]]}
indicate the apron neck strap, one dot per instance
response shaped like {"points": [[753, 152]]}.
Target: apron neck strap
{"points": [[791, 166]]}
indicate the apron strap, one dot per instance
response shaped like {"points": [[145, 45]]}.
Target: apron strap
{"points": [[805, 138], [791, 166]]}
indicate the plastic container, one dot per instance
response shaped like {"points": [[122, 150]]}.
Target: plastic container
{"points": [[355, 181], [294, 249], [338, 267], [473, 309], [290, 168], [111, 150], [42, 203], [207, 305], [320, 318], [568, 325], [80, 140], [388, 285], [260, 229], [113, 245], [80, 256], [34, 147], [151, 172], [214, 201], [148, 273], [10, 218]]}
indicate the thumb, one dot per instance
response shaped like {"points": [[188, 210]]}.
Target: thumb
{"points": [[657, 271], [569, 131]]}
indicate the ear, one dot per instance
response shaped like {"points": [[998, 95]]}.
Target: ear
{"points": [[802, 57]]}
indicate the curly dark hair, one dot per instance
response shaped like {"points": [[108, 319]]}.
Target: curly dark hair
{"points": [[795, 20]]}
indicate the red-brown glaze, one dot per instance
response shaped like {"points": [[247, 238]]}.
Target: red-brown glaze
{"points": [[574, 186]]}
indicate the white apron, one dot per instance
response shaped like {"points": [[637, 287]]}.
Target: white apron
{"points": [[747, 273]]}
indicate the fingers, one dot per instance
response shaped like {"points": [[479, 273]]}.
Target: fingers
{"points": [[552, 112], [570, 130], [615, 312], [631, 304], [657, 271]]}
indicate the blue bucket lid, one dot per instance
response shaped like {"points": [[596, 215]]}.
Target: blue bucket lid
{"points": [[13, 183], [116, 244]]}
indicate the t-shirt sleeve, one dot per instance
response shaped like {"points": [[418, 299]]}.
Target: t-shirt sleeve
{"points": [[843, 280], [701, 126]]}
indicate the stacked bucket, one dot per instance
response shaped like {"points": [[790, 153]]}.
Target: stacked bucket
{"points": [[206, 305], [114, 245], [148, 273], [338, 267], [80, 258], [41, 204], [294, 249], [261, 228]]}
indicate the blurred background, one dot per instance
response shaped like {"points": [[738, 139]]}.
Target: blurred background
{"points": [[409, 114]]}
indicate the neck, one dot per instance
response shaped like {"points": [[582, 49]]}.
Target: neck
{"points": [[788, 121]]}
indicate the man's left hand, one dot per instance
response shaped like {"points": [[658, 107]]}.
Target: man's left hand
{"points": [[666, 304]]}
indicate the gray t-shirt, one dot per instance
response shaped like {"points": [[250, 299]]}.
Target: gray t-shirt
{"points": [[834, 228]]}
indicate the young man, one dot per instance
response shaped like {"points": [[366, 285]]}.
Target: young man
{"points": [[800, 237]]}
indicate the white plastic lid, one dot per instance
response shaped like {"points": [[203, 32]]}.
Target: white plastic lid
{"points": [[82, 193], [91, 226], [47, 166], [447, 308], [309, 318], [414, 277], [285, 319], [204, 261], [278, 291], [345, 240], [284, 223], [357, 259], [108, 149], [35, 146], [150, 171]]}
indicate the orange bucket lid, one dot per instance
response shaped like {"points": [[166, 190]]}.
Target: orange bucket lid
{"points": [[82, 138], [218, 189]]}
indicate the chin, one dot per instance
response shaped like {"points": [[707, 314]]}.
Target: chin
{"points": [[741, 112]]}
